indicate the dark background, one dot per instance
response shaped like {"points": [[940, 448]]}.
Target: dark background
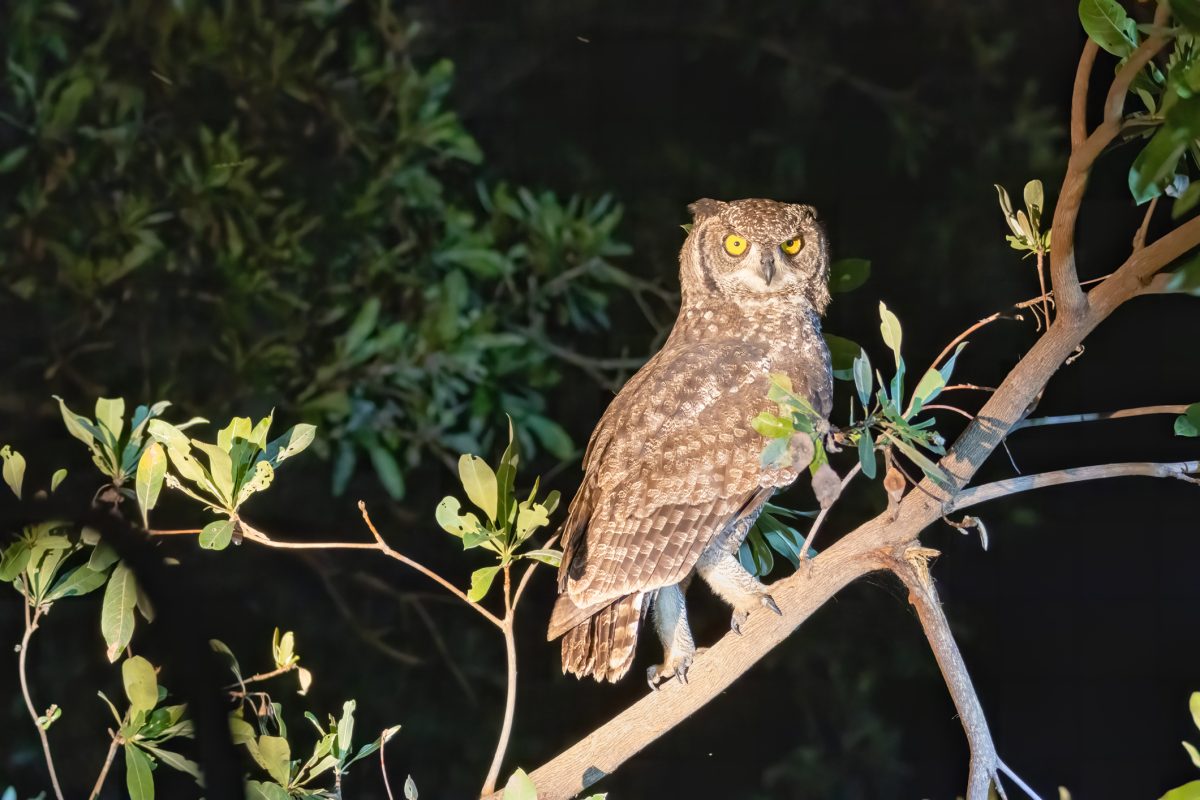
{"points": [[894, 119]]}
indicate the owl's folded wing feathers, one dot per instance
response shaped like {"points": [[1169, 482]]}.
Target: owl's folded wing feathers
{"points": [[671, 465]]}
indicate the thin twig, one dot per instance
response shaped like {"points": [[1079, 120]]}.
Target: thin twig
{"points": [[383, 766], [957, 387], [238, 689], [31, 625], [254, 535], [108, 762], [1139, 238], [510, 699], [816, 526], [1065, 419], [1181, 470]]}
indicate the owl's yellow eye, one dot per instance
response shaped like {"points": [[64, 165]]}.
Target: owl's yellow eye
{"points": [[792, 246], [735, 245]]}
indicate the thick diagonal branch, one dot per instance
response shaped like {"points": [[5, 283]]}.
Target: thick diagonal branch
{"points": [[912, 569]]}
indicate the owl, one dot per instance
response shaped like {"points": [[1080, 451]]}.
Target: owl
{"points": [[672, 473]]}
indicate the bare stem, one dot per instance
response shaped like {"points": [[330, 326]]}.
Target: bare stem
{"points": [[254, 535], [108, 762], [1064, 419], [239, 689], [1180, 470], [31, 625], [1139, 238], [383, 767], [510, 700]]}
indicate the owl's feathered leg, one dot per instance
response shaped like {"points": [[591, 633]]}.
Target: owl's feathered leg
{"points": [[726, 576], [670, 620]]}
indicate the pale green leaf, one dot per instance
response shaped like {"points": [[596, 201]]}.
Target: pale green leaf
{"points": [[138, 778], [141, 684], [520, 787], [481, 581], [116, 613], [452, 521], [889, 326], [1189, 791], [479, 482], [277, 757], [152, 469], [79, 581], [57, 478], [111, 414], [14, 469], [217, 535], [1108, 25]]}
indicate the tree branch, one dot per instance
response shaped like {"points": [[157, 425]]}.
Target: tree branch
{"points": [[1083, 76], [912, 568], [31, 625], [1181, 470], [1065, 419]]}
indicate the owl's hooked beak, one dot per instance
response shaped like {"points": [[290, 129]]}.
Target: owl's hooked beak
{"points": [[767, 267]]}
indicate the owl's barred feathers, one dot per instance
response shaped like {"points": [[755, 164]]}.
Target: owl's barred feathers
{"points": [[673, 465]]}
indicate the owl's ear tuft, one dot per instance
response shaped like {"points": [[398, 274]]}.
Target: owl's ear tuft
{"points": [[704, 208]]}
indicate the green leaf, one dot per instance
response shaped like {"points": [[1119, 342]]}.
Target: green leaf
{"points": [[520, 787], [530, 517], [57, 478], [111, 414], [1185, 427], [220, 469], [1034, 199], [481, 581], [772, 426], [141, 684], [277, 757], [866, 454], [551, 435], [175, 761], [217, 535], [863, 381], [889, 326], [294, 441], [103, 556], [842, 353], [368, 749], [848, 274], [116, 613], [14, 469], [79, 581], [138, 779], [545, 555], [1192, 752], [260, 479], [1194, 707], [152, 469], [345, 727], [1107, 24], [1189, 791], [479, 482], [452, 521], [929, 387], [263, 790], [387, 470]]}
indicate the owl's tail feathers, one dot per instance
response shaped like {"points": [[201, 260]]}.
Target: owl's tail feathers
{"points": [[599, 643]]}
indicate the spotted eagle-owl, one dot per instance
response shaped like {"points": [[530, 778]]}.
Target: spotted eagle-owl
{"points": [[672, 474]]}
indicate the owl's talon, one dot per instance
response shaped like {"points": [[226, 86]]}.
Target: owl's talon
{"points": [[676, 666], [737, 621], [770, 603]]}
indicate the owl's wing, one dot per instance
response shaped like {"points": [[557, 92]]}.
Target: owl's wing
{"points": [[672, 463]]}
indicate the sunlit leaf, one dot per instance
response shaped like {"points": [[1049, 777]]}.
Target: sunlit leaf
{"points": [[479, 482], [481, 581], [141, 684], [152, 469], [116, 613], [138, 778]]}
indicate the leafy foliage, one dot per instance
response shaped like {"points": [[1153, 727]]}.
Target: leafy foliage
{"points": [[287, 187], [508, 522]]}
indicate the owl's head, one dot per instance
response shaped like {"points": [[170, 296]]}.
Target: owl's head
{"points": [[751, 250]]}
